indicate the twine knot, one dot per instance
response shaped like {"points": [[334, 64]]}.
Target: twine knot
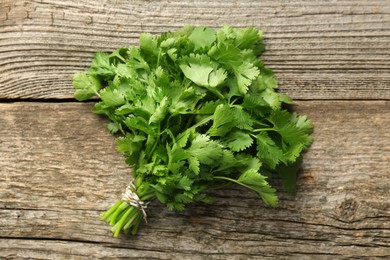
{"points": [[130, 196]]}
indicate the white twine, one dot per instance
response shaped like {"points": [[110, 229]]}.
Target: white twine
{"points": [[130, 196]]}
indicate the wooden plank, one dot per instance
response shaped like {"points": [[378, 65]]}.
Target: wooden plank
{"points": [[59, 170], [318, 49]]}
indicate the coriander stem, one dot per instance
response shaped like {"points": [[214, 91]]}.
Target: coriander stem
{"points": [[232, 180], [158, 58], [263, 129], [190, 121], [202, 122], [106, 215]]}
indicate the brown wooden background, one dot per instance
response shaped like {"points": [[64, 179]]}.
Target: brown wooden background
{"points": [[59, 169]]}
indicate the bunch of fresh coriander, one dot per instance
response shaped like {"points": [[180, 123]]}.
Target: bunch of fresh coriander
{"points": [[194, 110]]}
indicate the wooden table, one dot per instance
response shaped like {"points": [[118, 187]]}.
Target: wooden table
{"points": [[59, 168]]}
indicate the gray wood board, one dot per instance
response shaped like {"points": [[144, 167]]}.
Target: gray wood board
{"points": [[318, 49]]}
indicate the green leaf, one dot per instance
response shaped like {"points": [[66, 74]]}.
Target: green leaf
{"points": [[160, 112], [86, 86], [257, 182], [246, 38], [217, 77], [223, 121], [197, 68], [239, 140], [202, 37], [293, 129], [139, 123], [101, 65], [148, 44], [245, 74], [268, 151], [182, 138], [289, 174], [226, 54], [112, 97], [136, 60], [242, 119], [205, 150], [247, 162], [172, 54], [272, 98], [194, 164], [267, 79], [208, 107], [185, 183], [113, 127]]}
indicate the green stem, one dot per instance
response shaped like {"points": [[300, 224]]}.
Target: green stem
{"points": [[190, 120], [118, 226], [202, 122], [158, 58], [232, 180], [124, 217], [109, 212], [132, 218], [263, 129]]}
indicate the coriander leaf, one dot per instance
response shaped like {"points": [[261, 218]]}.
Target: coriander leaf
{"points": [[255, 104], [223, 121], [268, 151], [245, 74], [208, 107], [292, 128], [160, 111], [197, 68], [228, 163], [257, 182], [247, 162], [86, 86], [125, 71], [202, 37], [238, 140], [267, 80], [182, 138], [113, 127], [136, 60], [118, 56], [172, 54], [247, 38], [148, 44], [112, 97], [289, 174], [242, 119], [139, 123], [226, 34], [217, 77], [194, 164], [272, 98], [205, 150], [168, 42], [101, 65], [226, 54]]}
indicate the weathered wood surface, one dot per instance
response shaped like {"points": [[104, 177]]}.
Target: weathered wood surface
{"points": [[59, 169], [319, 49], [58, 173]]}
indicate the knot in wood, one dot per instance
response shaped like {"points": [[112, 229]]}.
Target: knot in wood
{"points": [[347, 210]]}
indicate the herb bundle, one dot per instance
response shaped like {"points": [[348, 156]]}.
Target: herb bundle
{"points": [[195, 110]]}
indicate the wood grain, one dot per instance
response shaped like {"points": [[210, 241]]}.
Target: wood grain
{"points": [[318, 49], [59, 170]]}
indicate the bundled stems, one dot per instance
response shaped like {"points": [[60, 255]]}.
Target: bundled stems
{"points": [[127, 213]]}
